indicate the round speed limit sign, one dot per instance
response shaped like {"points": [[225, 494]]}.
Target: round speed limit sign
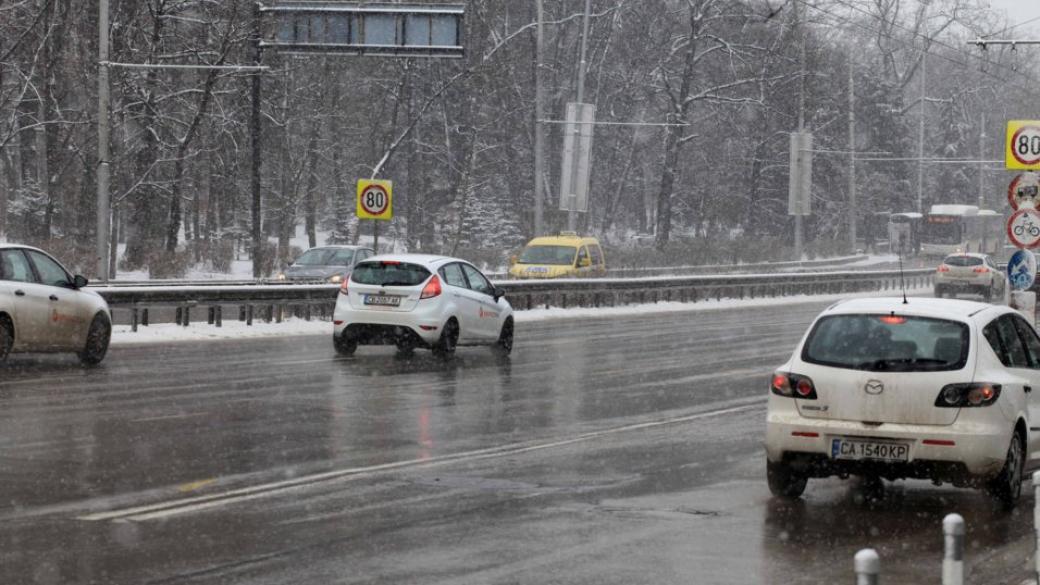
{"points": [[1025, 145], [375, 199]]}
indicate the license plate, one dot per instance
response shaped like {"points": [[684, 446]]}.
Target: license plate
{"points": [[383, 300], [857, 449]]}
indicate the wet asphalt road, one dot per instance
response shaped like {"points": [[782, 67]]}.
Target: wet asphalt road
{"points": [[623, 450]]}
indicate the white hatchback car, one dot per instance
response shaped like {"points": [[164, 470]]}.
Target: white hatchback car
{"points": [[930, 389], [413, 300], [972, 274], [45, 309]]}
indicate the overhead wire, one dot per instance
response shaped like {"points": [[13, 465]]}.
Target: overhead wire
{"points": [[935, 41]]}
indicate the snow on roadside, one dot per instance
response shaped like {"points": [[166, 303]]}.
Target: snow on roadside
{"points": [[169, 332]]}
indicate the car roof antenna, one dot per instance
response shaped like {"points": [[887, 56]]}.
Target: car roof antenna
{"points": [[902, 281]]}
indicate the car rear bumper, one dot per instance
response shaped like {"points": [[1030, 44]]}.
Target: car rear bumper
{"points": [[378, 327], [978, 448]]}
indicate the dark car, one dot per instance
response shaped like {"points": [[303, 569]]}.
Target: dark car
{"points": [[325, 264]]}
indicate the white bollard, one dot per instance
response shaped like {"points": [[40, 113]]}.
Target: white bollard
{"points": [[868, 567], [1036, 520], [953, 550]]}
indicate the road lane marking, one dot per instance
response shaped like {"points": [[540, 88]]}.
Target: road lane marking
{"points": [[194, 485], [199, 503]]}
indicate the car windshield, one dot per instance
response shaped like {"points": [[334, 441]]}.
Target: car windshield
{"points": [[389, 273], [887, 343], [555, 255], [942, 230], [962, 261], [316, 257]]}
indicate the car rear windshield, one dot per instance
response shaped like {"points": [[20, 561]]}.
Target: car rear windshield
{"points": [[557, 255], [389, 273], [887, 343], [962, 261]]}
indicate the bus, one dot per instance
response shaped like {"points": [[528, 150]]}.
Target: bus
{"points": [[904, 233], [950, 229]]}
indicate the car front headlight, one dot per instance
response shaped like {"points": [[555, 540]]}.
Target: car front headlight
{"points": [[336, 278], [281, 276]]}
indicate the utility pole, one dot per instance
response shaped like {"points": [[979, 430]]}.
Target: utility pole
{"points": [[255, 128], [853, 211], [572, 214], [982, 157], [539, 129], [920, 136], [104, 213], [798, 227]]}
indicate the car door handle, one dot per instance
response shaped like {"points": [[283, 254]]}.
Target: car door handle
{"points": [[1028, 389], [54, 297], [19, 293]]}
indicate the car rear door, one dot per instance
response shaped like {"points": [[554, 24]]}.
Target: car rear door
{"points": [[30, 300], [464, 300], [70, 310], [488, 313], [1031, 347]]}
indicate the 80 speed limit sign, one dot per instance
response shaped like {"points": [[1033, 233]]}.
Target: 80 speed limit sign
{"points": [[375, 199], [1022, 148]]}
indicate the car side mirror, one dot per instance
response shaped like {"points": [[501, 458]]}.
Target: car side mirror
{"points": [[584, 263], [79, 281], [499, 292], [513, 260]]}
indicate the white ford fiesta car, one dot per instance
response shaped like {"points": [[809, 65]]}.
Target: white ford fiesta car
{"points": [[413, 300], [45, 309], [934, 389]]}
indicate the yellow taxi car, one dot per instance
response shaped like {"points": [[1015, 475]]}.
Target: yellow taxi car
{"points": [[565, 255]]}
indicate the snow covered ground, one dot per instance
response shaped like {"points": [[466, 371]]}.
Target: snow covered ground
{"points": [[168, 332]]}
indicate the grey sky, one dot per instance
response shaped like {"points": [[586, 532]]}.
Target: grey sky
{"points": [[1020, 11]]}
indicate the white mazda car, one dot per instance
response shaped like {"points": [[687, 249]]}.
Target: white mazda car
{"points": [[413, 300], [886, 389], [45, 309]]}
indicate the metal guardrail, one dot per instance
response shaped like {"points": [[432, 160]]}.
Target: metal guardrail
{"points": [[275, 301]]}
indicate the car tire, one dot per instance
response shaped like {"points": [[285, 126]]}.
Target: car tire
{"points": [[445, 346], [987, 295], [938, 293], [98, 337], [504, 345], [344, 346], [6, 337], [784, 482], [1006, 487]]}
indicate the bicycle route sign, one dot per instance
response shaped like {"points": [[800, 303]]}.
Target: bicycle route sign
{"points": [[1023, 228]]}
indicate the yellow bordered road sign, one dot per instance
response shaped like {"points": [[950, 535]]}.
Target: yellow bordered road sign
{"points": [[375, 199], [1022, 145]]}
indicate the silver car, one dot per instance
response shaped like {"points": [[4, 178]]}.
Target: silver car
{"points": [[969, 273], [325, 264], [45, 309]]}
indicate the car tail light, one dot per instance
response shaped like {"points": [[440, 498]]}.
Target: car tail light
{"points": [[793, 386], [981, 270], [343, 287], [967, 395], [943, 268], [432, 288]]}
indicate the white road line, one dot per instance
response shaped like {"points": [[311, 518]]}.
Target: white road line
{"points": [[188, 505]]}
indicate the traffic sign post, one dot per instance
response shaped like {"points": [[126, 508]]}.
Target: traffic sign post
{"points": [[1022, 145], [1023, 228], [375, 200]]}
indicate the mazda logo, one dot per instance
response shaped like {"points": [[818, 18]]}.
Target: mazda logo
{"points": [[874, 387]]}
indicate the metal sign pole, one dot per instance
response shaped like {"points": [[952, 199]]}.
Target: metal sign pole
{"points": [[104, 213]]}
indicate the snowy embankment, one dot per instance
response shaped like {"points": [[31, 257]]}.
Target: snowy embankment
{"points": [[169, 332]]}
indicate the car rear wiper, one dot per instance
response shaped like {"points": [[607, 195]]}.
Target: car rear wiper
{"points": [[396, 283]]}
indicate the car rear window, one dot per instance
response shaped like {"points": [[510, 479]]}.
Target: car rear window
{"points": [[962, 261], [389, 273], [887, 343]]}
